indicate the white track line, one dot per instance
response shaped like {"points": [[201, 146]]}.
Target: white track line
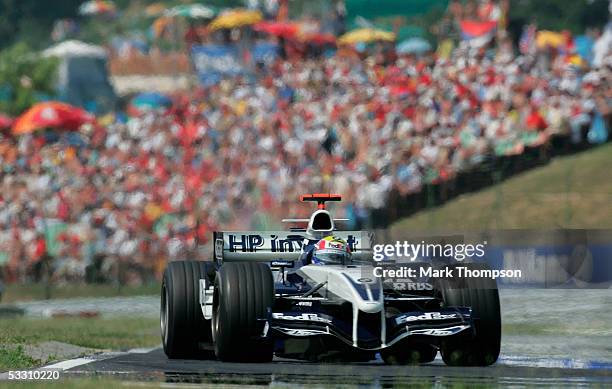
{"points": [[142, 350], [69, 364]]}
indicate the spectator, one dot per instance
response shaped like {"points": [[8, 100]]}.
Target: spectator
{"points": [[238, 154]]}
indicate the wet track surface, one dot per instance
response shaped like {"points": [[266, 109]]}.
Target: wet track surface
{"points": [[553, 338], [154, 366]]}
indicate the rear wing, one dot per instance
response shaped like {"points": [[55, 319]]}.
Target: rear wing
{"points": [[273, 245], [320, 198]]}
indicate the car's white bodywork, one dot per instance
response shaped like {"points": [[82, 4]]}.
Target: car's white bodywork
{"points": [[334, 284], [355, 284]]}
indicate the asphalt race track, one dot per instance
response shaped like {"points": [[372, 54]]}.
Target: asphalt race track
{"points": [[551, 337], [154, 366]]}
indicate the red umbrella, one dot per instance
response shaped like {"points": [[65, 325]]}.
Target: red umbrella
{"points": [[51, 114], [319, 38], [283, 29], [5, 121]]}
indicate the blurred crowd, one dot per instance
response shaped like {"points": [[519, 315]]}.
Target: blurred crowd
{"points": [[136, 191]]}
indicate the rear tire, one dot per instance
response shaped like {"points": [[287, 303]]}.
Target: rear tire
{"points": [[244, 292], [481, 346], [183, 325]]}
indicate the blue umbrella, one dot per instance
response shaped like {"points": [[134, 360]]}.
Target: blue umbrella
{"points": [[413, 46], [151, 100], [584, 47]]}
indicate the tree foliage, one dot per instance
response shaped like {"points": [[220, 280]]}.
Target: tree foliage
{"points": [[558, 15], [31, 21], [25, 78]]}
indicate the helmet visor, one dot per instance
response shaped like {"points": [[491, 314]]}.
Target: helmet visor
{"points": [[332, 257]]}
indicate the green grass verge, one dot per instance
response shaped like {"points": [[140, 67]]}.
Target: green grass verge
{"points": [[118, 333], [14, 357], [570, 192], [29, 292]]}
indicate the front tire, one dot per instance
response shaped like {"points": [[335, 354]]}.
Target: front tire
{"points": [[244, 292], [481, 346], [183, 325], [406, 354]]}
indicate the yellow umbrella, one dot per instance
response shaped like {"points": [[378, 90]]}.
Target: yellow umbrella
{"points": [[366, 35], [235, 18], [549, 38], [576, 60]]}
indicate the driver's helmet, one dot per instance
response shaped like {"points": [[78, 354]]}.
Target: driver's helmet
{"points": [[331, 250]]}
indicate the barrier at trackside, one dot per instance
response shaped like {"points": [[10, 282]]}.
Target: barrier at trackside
{"points": [[493, 170]]}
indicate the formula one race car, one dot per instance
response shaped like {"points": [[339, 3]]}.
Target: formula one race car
{"points": [[311, 294]]}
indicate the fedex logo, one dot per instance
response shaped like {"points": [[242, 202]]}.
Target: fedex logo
{"points": [[425, 316]]}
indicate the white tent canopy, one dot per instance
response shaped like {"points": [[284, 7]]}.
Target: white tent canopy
{"points": [[74, 48], [82, 75]]}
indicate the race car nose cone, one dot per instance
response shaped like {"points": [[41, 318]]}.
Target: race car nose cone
{"points": [[370, 306]]}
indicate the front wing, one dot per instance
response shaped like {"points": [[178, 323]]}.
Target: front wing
{"points": [[374, 331]]}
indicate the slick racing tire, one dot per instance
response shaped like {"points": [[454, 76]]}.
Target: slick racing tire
{"points": [[479, 346], [183, 326], [244, 292]]}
